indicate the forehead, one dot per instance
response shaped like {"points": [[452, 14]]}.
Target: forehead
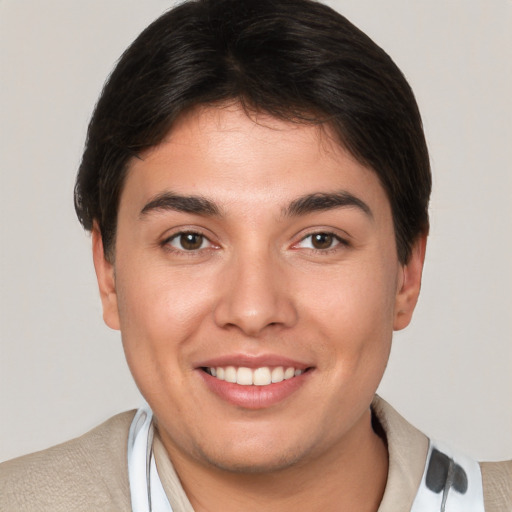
{"points": [[256, 158]]}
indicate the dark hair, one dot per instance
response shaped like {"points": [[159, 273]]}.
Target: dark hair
{"points": [[297, 60]]}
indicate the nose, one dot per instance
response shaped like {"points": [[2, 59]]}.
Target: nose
{"points": [[254, 295]]}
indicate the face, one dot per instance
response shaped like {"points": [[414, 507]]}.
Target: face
{"points": [[256, 285]]}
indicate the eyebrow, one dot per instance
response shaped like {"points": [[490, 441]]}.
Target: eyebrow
{"points": [[199, 205], [187, 204], [321, 201]]}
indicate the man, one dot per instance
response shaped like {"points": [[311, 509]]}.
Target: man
{"points": [[256, 182]]}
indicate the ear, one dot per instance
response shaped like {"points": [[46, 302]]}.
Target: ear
{"points": [[106, 280], [410, 284]]}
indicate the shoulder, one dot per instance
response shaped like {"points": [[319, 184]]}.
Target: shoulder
{"points": [[86, 473], [409, 460], [497, 481], [407, 452]]}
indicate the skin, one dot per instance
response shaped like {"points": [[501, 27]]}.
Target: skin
{"points": [[257, 287]]}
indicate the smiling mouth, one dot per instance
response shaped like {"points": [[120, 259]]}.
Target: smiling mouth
{"points": [[263, 376]]}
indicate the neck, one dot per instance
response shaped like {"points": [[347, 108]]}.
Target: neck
{"points": [[351, 477]]}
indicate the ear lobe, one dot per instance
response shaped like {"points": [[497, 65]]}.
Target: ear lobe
{"points": [[106, 280], [408, 293]]}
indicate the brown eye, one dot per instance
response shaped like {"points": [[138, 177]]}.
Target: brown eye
{"points": [[191, 241], [188, 241], [322, 240]]}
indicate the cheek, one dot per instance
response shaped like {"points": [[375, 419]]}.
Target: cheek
{"points": [[354, 311], [159, 313]]}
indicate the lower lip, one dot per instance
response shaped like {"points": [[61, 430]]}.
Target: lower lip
{"points": [[254, 397]]}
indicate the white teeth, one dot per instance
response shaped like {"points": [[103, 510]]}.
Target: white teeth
{"points": [[244, 376], [278, 374], [230, 374], [289, 373], [262, 376]]}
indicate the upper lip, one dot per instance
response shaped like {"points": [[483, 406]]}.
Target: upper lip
{"points": [[251, 361]]}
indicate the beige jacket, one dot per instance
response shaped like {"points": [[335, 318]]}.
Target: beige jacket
{"points": [[90, 472]]}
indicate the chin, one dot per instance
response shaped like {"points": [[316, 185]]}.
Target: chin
{"points": [[252, 461], [241, 465]]}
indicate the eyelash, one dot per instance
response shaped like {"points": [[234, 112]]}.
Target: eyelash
{"points": [[340, 243], [166, 244], [337, 240]]}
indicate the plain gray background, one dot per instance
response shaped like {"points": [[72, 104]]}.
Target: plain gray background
{"points": [[63, 372]]}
